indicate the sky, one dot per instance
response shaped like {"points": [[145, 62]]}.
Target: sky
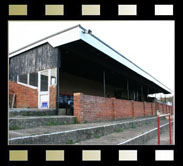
{"points": [[149, 44]]}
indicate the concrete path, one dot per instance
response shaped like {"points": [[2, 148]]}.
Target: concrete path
{"points": [[164, 139]]}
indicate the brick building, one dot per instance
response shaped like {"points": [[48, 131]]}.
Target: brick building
{"points": [[75, 61]]}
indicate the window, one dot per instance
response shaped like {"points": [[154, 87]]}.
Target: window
{"points": [[44, 81], [53, 76], [33, 79], [23, 78]]}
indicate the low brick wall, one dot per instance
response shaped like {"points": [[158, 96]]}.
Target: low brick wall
{"points": [[25, 97], [89, 108]]}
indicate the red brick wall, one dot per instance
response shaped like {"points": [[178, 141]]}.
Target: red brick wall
{"points": [[53, 96], [153, 108], [92, 108], [148, 109], [138, 109], [25, 97], [123, 109], [89, 108]]}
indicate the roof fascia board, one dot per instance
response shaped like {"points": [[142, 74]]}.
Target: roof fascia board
{"points": [[57, 39], [66, 37], [98, 44]]}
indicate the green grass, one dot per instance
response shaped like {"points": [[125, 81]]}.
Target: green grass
{"points": [[55, 123], [76, 121], [14, 127], [118, 130], [85, 121], [133, 126], [69, 142]]}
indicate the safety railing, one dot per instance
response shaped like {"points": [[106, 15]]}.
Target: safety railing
{"points": [[158, 123]]}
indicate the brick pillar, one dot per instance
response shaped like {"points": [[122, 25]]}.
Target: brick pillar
{"points": [[133, 115], [52, 96], [114, 108], [168, 109], [163, 108], [152, 109], [78, 107], [144, 106]]}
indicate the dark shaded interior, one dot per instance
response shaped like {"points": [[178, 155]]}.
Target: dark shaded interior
{"points": [[81, 59]]}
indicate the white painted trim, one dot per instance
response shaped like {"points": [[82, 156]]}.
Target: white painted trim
{"points": [[45, 92], [28, 76], [30, 86], [39, 76], [49, 79]]}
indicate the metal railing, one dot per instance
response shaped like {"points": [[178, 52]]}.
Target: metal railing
{"points": [[158, 123]]}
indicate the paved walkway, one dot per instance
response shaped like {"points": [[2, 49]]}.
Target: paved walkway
{"points": [[164, 139]]}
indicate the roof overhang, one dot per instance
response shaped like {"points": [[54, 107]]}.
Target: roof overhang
{"points": [[78, 33]]}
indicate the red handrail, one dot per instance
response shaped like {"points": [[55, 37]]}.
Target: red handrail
{"points": [[158, 123]]}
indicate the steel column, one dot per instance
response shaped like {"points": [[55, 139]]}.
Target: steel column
{"points": [[142, 93], [128, 89]]}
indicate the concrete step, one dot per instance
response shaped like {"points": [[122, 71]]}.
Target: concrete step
{"points": [[24, 122], [38, 112], [70, 134], [137, 136], [31, 112], [146, 136]]}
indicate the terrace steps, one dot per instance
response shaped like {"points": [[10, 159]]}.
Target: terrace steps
{"points": [[77, 133]]}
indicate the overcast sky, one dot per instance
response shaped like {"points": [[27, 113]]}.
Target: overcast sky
{"points": [[149, 44]]}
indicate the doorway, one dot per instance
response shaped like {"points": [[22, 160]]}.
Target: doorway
{"points": [[43, 89]]}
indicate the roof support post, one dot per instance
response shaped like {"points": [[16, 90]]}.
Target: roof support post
{"points": [[137, 95], [134, 95], [165, 98], [104, 84], [142, 95], [128, 88], [155, 93], [148, 91]]}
